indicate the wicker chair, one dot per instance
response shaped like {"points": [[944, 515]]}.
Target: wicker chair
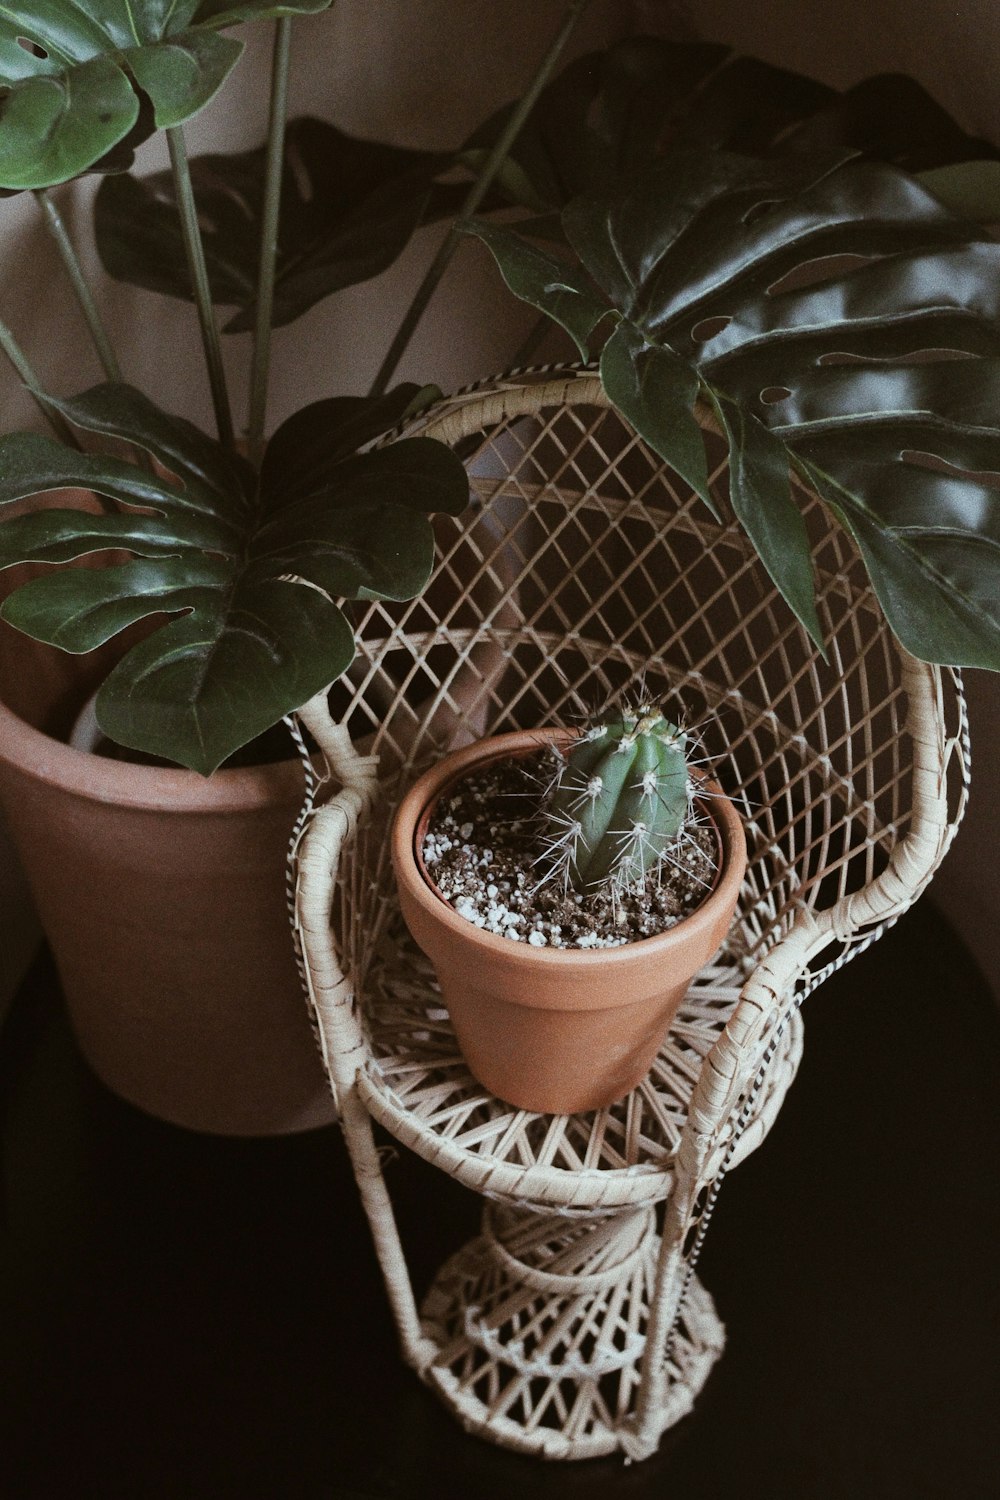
{"points": [[574, 1325]]}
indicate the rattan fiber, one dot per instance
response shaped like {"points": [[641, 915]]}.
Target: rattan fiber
{"points": [[582, 567]]}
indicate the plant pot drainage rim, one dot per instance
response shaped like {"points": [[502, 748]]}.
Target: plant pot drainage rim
{"points": [[49, 760], [513, 746]]}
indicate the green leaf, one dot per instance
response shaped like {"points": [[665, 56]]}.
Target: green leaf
{"points": [[59, 536], [36, 465], [348, 209], [824, 303], [659, 243], [51, 128], [760, 492], [603, 115], [316, 445], [121, 411], [917, 486], [656, 391], [549, 284], [327, 431], [72, 94], [248, 571], [380, 550], [182, 75], [230, 677], [82, 608], [747, 105], [937, 583], [889, 118]]}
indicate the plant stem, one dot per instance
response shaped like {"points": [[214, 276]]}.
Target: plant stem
{"points": [[195, 253], [476, 195], [269, 236], [74, 270], [19, 360]]}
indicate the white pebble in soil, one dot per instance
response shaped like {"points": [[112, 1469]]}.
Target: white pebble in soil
{"points": [[487, 865]]}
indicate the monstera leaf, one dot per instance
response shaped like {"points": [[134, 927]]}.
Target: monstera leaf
{"points": [[73, 73], [819, 307], [348, 208], [609, 114], [245, 570]]}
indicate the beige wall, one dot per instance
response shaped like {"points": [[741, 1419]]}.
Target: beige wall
{"points": [[380, 70]]}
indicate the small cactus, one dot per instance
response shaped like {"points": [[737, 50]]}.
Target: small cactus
{"points": [[619, 801]]}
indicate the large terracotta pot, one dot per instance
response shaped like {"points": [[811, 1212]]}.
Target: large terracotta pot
{"points": [[162, 895], [550, 1029]]}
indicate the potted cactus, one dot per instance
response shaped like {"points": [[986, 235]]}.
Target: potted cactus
{"points": [[567, 886]]}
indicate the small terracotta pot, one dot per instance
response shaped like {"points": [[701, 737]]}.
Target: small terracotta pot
{"points": [[553, 1029]]}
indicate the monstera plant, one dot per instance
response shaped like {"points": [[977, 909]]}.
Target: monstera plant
{"points": [[219, 570], [348, 208], [230, 556], [247, 564], [237, 556], [673, 193], [78, 79], [840, 322]]}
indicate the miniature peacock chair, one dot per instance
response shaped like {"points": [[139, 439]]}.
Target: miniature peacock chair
{"points": [[575, 1325]]}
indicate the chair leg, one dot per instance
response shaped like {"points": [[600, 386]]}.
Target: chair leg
{"points": [[417, 1350], [539, 1327]]}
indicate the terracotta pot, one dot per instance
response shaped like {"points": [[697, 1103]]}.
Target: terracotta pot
{"points": [[162, 895], [552, 1029]]}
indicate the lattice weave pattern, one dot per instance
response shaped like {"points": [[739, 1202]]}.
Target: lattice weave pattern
{"points": [[582, 567]]}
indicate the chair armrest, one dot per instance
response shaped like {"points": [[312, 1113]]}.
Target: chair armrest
{"points": [[316, 859]]}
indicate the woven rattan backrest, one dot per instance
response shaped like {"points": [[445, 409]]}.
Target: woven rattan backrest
{"points": [[585, 566]]}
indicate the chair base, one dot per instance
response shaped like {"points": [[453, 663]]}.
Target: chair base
{"points": [[539, 1330]]}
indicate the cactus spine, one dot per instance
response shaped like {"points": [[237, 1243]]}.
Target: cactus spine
{"points": [[619, 801]]}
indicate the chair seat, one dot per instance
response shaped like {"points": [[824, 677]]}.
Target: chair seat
{"points": [[417, 1085]]}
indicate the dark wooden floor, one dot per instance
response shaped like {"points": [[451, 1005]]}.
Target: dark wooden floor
{"points": [[185, 1317]]}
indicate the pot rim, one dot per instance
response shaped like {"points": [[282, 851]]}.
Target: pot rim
{"points": [[429, 787], [98, 778]]}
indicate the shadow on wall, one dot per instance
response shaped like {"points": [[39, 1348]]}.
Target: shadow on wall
{"points": [[968, 888]]}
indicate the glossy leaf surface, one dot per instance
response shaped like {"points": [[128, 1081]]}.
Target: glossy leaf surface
{"points": [[656, 391], [839, 316], [246, 571], [73, 73]]}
